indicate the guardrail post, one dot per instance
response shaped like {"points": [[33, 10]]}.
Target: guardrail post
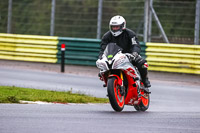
{"points": [[62, 57], [53, 6], [9, 16], [146, 19], [100, 6], [197, 16]]}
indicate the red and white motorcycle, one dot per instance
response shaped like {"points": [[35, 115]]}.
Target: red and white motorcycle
{"points": [[122, 79]]}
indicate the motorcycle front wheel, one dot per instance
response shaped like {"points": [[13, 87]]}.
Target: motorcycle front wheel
{"points": [[114, 93]]}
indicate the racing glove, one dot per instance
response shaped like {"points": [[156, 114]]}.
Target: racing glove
{"points": [[135, 55]]}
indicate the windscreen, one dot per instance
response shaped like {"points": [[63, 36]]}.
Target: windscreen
{"points": [[111, 50]]}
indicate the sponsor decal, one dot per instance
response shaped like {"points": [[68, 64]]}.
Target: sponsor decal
{"points": [[133, 41]]}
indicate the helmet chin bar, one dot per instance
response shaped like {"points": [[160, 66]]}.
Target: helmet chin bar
{"points": [[116, 33]]}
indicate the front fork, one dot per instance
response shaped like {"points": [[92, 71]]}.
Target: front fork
{"points": [[119, 82], [119, 75]]}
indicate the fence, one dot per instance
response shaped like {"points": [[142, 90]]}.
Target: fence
{"points": [[80, 18], [178, 20]]}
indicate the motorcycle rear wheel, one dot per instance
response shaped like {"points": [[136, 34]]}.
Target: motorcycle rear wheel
{"points": [[116, 99], [145, 101]]}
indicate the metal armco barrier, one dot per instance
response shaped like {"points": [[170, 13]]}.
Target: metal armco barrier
{"points": [[173, 57], [79, 51], [28, 48]]}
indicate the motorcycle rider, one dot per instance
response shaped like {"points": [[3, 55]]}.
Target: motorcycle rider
{"points": [[127, 40]]}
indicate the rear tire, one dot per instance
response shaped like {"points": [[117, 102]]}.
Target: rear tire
{"points": [[116, 99], [145, 101]]}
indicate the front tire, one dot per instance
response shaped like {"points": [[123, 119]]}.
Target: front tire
{"points": [[116, 99]]}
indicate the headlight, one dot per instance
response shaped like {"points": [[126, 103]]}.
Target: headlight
{"points": [[101, 64]]}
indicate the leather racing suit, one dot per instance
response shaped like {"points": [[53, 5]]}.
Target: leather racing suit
{"points": [[128, 41]]}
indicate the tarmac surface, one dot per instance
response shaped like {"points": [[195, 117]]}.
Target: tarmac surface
{"points": [[174, 105]]}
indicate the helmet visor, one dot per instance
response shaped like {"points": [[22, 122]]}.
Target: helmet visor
{"points": [[115, 28]]}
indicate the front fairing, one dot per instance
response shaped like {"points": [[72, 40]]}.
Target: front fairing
{"points": [[112, 58], [121, 61]]}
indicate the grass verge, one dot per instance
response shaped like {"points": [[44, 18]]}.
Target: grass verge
{"points": [[11, 94]]}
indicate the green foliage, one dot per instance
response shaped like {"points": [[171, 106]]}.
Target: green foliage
{"points": [[177, 17], [78, 18], [3, 15]]}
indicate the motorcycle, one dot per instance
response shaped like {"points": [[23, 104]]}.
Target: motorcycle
{"points": [[122, 79]]}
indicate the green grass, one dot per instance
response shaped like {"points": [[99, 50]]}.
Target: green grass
{"points": [[15, 94]]}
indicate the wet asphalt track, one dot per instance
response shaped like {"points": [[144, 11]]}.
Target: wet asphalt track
{"points": [[174, 107]]}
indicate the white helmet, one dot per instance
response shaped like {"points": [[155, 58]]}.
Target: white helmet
{"points": [[117, 21]]}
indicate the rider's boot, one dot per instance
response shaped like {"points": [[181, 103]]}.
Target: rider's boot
{"points": [[146, 82], [145, 79]]}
